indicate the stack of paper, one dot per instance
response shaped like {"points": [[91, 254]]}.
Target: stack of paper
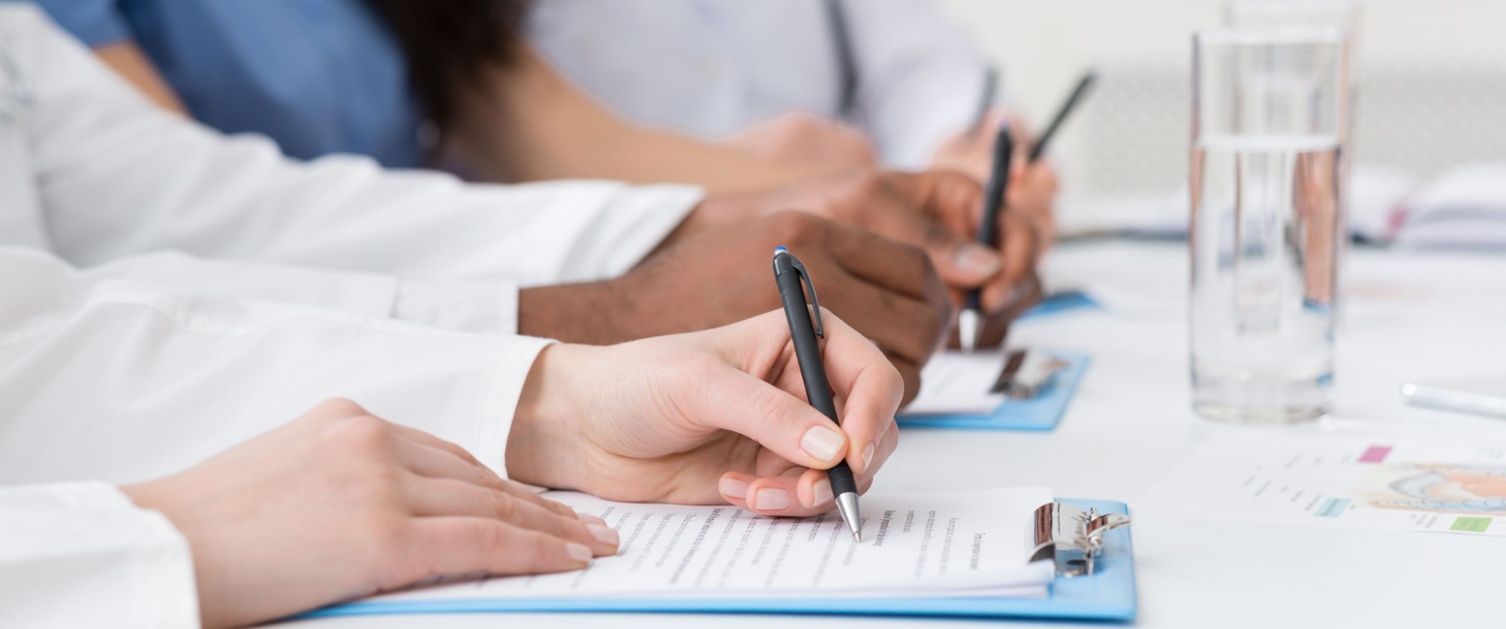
{"points": [[946, 544]]}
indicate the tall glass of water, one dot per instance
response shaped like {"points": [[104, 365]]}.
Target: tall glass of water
{"points": [[1269, 118]]}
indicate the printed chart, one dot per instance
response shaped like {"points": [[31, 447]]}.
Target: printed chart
{"points": [[1341, 481]]}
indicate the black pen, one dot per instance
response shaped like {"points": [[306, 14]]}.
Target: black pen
{"points": [[988, 234], [1061, 114], [788, 274]]}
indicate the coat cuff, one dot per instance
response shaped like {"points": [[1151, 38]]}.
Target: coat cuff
{"points": [[87, 556]]}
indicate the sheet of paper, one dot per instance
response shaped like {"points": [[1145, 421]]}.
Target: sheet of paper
{"points": [[958, 382], [1348, 481], [970, 543]]}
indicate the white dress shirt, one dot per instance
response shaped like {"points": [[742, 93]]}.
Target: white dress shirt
{"points": [[94, 172], [110, 381], [714, 67], [155, 358]]}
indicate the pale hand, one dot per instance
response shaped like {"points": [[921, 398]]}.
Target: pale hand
{"points": [[339, 504], [711, 417]]}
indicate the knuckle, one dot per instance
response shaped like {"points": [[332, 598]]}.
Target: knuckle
{"points": [[769, 406], [505, 507], [486, 539], [335, 409], [365, 434]]}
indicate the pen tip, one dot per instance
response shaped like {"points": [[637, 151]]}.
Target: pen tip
{"points": [[967, 329], [857, 537], [780, 249]]}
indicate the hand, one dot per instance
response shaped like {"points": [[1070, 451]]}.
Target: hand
{"points": [[717, 276], [706, 418], [801, 139], [339, 504], [1033, 187], [940, 212], [995, 325]]}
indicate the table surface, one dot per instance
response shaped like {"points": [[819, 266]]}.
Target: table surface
{"points": [[1405, 316]]}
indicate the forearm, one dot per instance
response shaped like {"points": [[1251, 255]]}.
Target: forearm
{"points": [[641, 155], [526, 123]]}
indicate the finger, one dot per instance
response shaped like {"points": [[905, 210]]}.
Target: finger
{"points": [[909, 372], [893, 264], [859, 375], [907, 328], [934, 211], [796, 492], [870, 387], [456, 546], [429, 497], [1020, 255], [430, 461], [784, 424]]}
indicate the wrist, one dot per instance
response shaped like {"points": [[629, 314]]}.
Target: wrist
{"points": [[546, 426]]}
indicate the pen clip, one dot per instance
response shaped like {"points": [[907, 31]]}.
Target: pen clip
{"points": [[810, 289]]}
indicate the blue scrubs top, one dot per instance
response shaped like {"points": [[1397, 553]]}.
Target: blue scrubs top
{"points": [[317, 76]]}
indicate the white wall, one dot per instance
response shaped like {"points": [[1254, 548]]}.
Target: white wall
{"points": [[1043, 44], [1432, 91]]}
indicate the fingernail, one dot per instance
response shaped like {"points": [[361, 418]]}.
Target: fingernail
{"points": [[822, 443], [867, 455], [578, 552], [733, 488], [591, 519], [771, 499], [822, 494], [604, 534], [978, 260]]}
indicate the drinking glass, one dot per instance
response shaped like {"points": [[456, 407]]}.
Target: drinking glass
{"points": [[1269, 123]]}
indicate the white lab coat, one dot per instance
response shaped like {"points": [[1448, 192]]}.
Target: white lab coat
{"points": [[115, 381], [95, 173], [714, 67], [119, 373]]}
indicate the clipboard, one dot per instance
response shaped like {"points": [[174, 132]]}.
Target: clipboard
{"points": [[1040, 413], [1089, 540]]}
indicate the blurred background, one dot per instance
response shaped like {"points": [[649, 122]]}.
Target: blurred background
{"points": [[1431, 77]]}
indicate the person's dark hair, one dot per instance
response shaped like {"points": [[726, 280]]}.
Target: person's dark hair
{"points": [[448, 44]]}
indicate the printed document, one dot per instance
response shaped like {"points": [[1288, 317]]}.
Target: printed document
{"points": [[1348, 481], [972, 543]]}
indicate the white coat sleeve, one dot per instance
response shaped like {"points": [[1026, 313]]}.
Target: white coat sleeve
{"points": [[462, 306], [81, 555], [920, 76], [118, 177], [122, 381]]}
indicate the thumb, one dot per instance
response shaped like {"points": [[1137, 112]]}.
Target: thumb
{"points": [[941, 212], [777, 420]]}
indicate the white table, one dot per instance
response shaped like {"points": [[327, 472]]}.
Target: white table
{"points": [[1406, 316]]}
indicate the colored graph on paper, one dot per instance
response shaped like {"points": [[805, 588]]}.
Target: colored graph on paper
{"points": [[1342, 481]]}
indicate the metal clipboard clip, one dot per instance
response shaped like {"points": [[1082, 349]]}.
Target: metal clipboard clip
{"points": [[1026, 373], [16, 94], [1070, 537]]}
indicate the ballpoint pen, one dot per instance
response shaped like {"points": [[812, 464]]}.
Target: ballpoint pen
{"points": [[1061, 115], [790, 274], [988, 234]]}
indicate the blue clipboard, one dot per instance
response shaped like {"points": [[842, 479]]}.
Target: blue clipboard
{"points": [[1107, 594], [1042, 413], [1060, 302]]}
